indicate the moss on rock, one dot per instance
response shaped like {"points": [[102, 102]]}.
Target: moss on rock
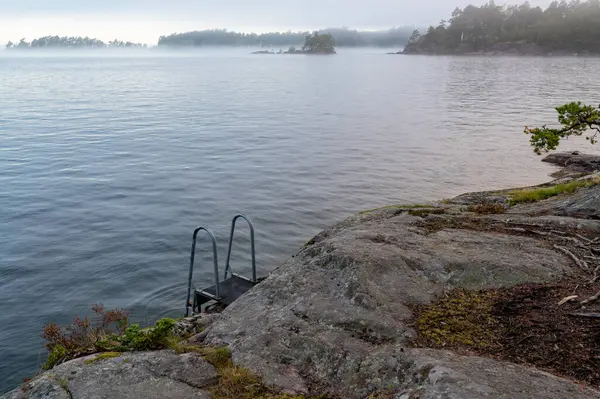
{"points": [[461, 318]]}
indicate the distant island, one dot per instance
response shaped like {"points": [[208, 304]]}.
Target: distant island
{"points": [[70, 42], [343, 38], [321, 44], [221, 37], [562, 29]]}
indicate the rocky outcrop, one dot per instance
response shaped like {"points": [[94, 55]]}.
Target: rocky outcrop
{"points": [[573, 163], [336, 318], [161, 374]]}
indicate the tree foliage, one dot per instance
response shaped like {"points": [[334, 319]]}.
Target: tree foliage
{"points": [[343, 37], [319, 44], [575, 119], [563, 26], [70, 42]]}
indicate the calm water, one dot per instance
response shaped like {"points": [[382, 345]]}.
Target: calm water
{"points": [[108, 163]]}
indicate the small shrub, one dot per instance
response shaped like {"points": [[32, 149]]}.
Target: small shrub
{"points": [[109, 332], [135, 338], [83, 335], [57, 356], [487, 208]]}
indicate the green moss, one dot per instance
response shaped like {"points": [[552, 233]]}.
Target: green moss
{"points": [[239, 383], [101, 356], [425, 212], [542, 193], [64, 384], [461, 318], [309, 242]]}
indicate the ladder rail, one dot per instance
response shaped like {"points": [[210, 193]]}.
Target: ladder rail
{"points": [[191, 272], [252, 246]]}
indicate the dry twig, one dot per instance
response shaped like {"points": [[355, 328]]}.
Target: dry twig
{"points": [[588, 315], [567, 299], [591, 299], [581, 263]]}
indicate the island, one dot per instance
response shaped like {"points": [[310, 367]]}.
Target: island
{"points": [[70, 42], [561, 29], [315, 43]]}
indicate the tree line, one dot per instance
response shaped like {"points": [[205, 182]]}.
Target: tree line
{"points": [[343, 37], [71, 42], [573, 27]]}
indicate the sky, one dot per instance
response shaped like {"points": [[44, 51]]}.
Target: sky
{"points": [[145, 20]]}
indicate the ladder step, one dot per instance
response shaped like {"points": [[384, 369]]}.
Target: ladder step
{"points": [[230, 290]]}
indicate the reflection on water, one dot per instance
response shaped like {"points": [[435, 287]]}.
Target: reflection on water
{"points": [[108, 163]]}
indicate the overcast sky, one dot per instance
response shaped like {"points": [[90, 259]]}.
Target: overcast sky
{"points": [[145, 20]]}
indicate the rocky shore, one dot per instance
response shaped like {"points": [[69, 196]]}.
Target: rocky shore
{"points": [[506, 48], [342, 317]]}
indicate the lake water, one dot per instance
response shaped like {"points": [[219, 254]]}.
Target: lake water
{"points": [[108, 162]]}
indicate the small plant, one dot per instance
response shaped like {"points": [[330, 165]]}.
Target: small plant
{"points": [[109, 332], [136, 338], [83, 335], [57, 356]]}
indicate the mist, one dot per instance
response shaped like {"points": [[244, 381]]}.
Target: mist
{"points": [[144, 21]]}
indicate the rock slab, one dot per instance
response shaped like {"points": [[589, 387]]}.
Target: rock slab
{"points": [[152, 375]]}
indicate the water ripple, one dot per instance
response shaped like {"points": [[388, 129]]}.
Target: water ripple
{"points": [[107, 164]]}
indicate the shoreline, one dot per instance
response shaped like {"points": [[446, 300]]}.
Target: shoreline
{"points": [[337, 318]]}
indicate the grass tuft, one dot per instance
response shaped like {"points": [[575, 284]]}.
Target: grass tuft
{"points": [[542, 193]]}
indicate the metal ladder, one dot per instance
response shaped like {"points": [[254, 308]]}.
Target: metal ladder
{"points": [[232, 287]]}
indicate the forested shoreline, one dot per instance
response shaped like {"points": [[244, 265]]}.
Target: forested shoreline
{"points": [[221, 37], [343, 38], [562, 28], [71, 42]]}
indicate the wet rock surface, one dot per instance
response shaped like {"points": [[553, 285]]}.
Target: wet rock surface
{"points": [[573, 163]]}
